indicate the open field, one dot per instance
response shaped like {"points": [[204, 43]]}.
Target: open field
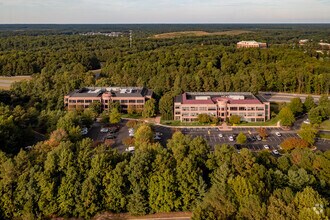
{"points": [[199, 34], [5, 82]]}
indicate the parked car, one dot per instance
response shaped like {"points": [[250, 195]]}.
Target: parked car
{"points": [[130, 149], [159, 134], [258, 138], [84, 131], [278, 134], [307, 121], [231, 138], [104, 130], [156, 137], [111, 136], [220, 135], [276, 152], [266, 147]]}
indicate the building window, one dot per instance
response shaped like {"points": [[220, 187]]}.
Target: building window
{"points": [[72, 101], [185, 109], [80, 101], [202, 109], [233, 108], [132, 101], [212, 109], [88, 101], [260, 109], [177, 107], [194, 108], [140, 101], [123, 101], [177, 113], [242, 108]]}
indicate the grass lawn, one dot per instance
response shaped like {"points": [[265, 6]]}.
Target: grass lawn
{"points": [[271, 122], [325, 125], [135, 116], [199, 33], [5, 82], [325, 136]]}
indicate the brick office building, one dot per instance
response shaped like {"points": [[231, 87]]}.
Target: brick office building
{"points": [[189, 105], [125, 96]]}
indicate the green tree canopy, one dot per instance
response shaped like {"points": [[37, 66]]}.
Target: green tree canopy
{"points": [[286, 116], [114, 116], [149, 109]]}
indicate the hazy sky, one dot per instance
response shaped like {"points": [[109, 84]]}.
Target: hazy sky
{"points": [[164, 11]]}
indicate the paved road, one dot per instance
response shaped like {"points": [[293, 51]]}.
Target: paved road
{"points": [[283, 97]]}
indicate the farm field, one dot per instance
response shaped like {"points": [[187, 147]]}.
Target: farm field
{"points": [[199, 34], [5, 82]]}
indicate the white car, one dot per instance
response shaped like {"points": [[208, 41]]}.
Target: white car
{"points": [[266, 147], [156, 137], [276, 152], [84, 131], [130, 149], [278, 134], [231, 138], [307, 121], [220, 135], [131, 134], [104, 130]]}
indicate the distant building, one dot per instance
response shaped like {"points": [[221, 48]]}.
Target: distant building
{"points": [[303, 41], [125, 96], [108, 34], [222, 105], [325, 46], [251, 44]]}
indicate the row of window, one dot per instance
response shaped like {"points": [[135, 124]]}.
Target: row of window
{"points": [[105, 101], [221, 108]]}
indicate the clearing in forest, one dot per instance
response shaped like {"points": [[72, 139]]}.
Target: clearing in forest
{"points": [[5, 82], [199, 34]]}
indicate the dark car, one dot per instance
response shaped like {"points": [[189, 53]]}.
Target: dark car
{"points": [[111, 136]]}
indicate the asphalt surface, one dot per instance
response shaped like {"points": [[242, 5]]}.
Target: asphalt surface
{"points": [[210, 134], [283, 97]]}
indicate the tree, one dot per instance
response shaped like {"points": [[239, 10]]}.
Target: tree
{"points": [[296, 106], [131, 124], [241, 138], [130, 110], [204, 118], [286, 116], [149, 109], [291, 143], [309, 103], [317, 115], [166, 106], [143, 134], [235, 119], [114, 116], [262, 132], [308, 133], [324, 101], [95, 107]]}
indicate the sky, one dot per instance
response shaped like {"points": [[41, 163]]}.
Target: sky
{"points": [[164, 11]]}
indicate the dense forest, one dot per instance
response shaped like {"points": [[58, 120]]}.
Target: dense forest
{"points": [[65, 175], [63, 178]]}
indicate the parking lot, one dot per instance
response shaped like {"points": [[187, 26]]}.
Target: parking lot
{"points": [[212, 136]]}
